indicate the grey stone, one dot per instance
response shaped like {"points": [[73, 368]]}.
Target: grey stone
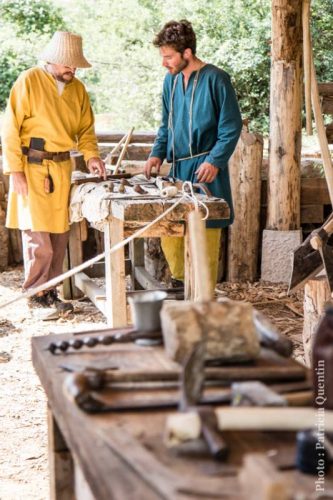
{"points": [[277, 254]]}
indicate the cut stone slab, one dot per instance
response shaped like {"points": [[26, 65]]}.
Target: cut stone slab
{"points": [[277, 254], [227, 325]]}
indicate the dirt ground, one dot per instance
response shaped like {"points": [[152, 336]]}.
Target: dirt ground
{"points": [[23, 432]]}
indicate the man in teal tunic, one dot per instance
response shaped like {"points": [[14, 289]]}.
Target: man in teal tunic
{"points": [[201, 124]]}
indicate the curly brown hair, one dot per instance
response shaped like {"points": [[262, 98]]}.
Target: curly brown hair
{"points": [[179, 35]]}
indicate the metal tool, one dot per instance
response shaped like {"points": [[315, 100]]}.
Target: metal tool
{"points": [[105, 340], [192, 383], [314, 254], [270, 337], [82, 389]]}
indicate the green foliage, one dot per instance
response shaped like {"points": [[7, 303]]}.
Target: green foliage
{"points": [[24, 26], [126, 79], [322, 34], [37, 16]]}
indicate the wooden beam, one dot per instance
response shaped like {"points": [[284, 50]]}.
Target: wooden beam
{"points": [[162, 228], [146, 280], [94, 292], [137, 137], [325, 89]]}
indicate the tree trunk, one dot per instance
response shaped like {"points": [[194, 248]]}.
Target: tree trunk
{"points": [[245, 166], [316, 295], [285, 116]]}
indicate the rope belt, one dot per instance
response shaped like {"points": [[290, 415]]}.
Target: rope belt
{"points": [[192, 156], [38, 156]]}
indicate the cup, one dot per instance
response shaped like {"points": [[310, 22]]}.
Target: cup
{"points": [[145, 309]]}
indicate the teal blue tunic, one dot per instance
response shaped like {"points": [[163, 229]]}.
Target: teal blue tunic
{"points": [[205, 118]]}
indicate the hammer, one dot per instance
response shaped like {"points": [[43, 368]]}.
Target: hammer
{"points": [[229, 325]]}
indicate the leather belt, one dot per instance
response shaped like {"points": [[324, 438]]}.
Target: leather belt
{"points": [[39, 156]]}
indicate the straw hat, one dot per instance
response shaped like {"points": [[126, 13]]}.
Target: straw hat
{"points": [[65, 48]]}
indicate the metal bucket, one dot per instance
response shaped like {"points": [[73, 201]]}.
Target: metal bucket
{"points": [[145, 308]]}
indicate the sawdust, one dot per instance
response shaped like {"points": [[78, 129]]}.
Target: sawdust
{"points": [[285, 311], [23, 431]]}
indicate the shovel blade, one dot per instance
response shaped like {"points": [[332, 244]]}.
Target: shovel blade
{"points": [[307, 263]]}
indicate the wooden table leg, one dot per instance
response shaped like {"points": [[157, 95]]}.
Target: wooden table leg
{"points": [[137, 256], [60, 463], [74, 258], [115, 286]]}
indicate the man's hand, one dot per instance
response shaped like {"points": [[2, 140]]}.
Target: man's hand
{"points": [[152, 162], [206, 172], [96, 166], [19, 183]]}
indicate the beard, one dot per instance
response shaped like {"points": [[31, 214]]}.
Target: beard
{"points": [[64, 77], [177, 69]]}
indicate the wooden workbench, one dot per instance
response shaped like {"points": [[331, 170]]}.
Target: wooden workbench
{"points": [[126, 217], [107, 456]]}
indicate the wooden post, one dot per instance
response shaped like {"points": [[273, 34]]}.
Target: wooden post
{"points": [[282, 234], [116, 312], [307, 56], [74, 258], [243, 239], [316, 295], [285, 116]]}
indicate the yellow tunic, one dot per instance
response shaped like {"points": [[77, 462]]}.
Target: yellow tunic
{"points": [[65, 122]]}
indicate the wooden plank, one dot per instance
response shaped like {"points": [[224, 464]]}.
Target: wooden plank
{"points": [[95, 293], [116, 136], [312, 214], [325, 89], [60, 463], [313, 191], [161, 228], [148, 210], [134, 151], [146, 280]]}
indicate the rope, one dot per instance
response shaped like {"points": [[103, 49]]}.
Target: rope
{"points": [[187, 195]]}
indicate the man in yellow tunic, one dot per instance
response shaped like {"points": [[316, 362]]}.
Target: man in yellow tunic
{"points": [[47, 115]]}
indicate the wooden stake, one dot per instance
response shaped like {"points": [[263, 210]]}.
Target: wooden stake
{"points": [[122, 154]]}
